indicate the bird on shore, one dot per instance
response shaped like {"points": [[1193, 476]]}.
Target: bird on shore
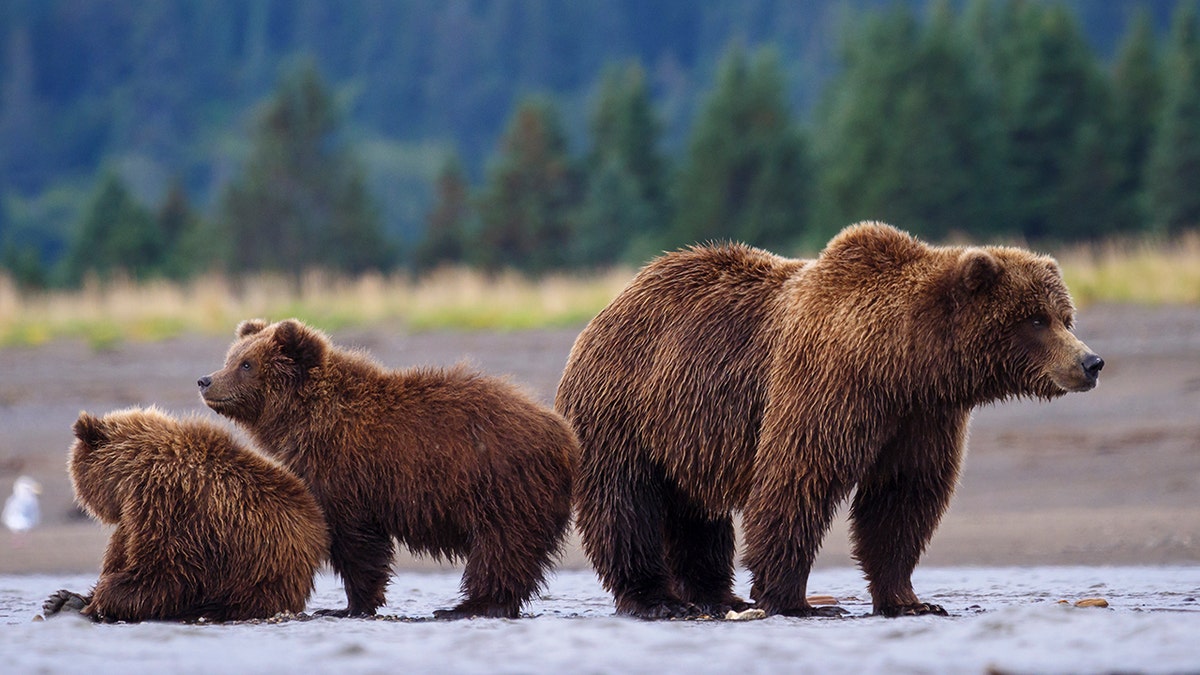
{"points": [[21, 512]]}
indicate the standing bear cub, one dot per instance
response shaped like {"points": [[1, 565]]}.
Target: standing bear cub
{"points": [[206, 528], [727, 378], [449, 462]]}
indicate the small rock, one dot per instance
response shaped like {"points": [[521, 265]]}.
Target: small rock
{"points": [[1091, 602], [748, 615]]}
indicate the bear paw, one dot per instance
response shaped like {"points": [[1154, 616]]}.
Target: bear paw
{"points": [[826, 611], [342, 613], [660, 611], [64, 601], [916, 609], [470, 610]]}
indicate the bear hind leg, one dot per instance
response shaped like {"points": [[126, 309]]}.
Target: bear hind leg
{"points": [[621, 521], [700, 550], [508, 560]]}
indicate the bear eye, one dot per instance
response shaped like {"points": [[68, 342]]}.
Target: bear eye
{"points": [[1039, 321], [245, 365]]}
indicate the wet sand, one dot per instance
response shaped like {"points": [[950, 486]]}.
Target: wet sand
{"points": [[1109, 477]]}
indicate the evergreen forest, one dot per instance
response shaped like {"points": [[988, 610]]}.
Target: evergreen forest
{"points": [[176, 138]]}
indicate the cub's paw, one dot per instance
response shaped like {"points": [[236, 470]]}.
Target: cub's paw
{"points": [[64, 601], [917, 609]]}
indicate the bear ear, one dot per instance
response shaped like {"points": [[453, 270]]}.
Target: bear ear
{"points": [[90, 429], [979, 269], [250, 327], [303, 345]]}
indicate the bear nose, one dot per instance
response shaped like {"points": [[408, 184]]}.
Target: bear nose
{"points": [[1092, 364], [204, 382]]}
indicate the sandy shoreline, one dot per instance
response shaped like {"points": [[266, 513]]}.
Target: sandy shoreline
{"points": [[1110, 477]]}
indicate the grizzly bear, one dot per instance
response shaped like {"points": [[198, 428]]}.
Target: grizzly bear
{"points": [[725, 378], [205, 528], [449, 462]]}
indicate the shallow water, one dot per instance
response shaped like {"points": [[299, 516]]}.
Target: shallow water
{"points": [[1004, 619]]}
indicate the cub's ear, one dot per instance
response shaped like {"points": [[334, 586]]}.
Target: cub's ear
{"points": [[305, 346], [979, 270], [250, 327], [90, 429]]}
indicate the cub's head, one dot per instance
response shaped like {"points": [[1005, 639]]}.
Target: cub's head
{"points": [[266, 368], [1014, 316], [109, 454]]}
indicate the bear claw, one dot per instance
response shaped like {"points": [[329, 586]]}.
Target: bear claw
{"points": [[918, 609]]}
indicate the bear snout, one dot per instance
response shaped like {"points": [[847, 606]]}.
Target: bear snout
{"points": [[1092, 365], [204, 382]]}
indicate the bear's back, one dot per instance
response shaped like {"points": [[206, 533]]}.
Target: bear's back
{"points": [[691, 329]]}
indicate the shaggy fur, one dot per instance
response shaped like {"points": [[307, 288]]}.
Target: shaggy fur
{"points": [[205, 527], [727, 378], [451, 463]]}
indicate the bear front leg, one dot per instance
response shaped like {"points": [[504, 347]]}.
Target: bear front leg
{"points": [[899, 502], [785, 520], [362, 557]]}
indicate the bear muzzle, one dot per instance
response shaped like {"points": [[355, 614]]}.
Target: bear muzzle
{"points": [[1084, 376]]}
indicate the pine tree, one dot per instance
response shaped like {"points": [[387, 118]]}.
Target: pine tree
{"points": [[532, 191], [1173, 170], [302, 201], [626, 193], [1056, 110], [1137, 104], [910, 135], [117, 235], [187, 240], [445, 240], [747, 175]]}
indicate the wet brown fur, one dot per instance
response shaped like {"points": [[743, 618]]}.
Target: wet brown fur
{"points": [[205, 528], [449, 462], [726, 378]]}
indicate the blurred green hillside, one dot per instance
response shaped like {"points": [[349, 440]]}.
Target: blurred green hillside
{"points": [[173, 139]]}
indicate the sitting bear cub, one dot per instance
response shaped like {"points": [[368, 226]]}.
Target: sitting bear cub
{"points": [[206, 528]]}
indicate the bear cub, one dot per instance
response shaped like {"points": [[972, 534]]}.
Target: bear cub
{"points": [[205, 527], [449, 462]]}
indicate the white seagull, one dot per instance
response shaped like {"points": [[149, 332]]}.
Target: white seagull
{"points": [[21, 512]]}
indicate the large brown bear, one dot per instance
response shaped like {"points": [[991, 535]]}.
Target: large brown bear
{"points": [[206, 528], [727, 378], [451, 463]]}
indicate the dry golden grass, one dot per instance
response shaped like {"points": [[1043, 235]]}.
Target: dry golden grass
{"points": [[1137, 271], [447, 299]]}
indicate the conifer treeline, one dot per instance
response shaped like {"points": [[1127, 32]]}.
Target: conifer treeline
{"points": [[998, 121]]}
